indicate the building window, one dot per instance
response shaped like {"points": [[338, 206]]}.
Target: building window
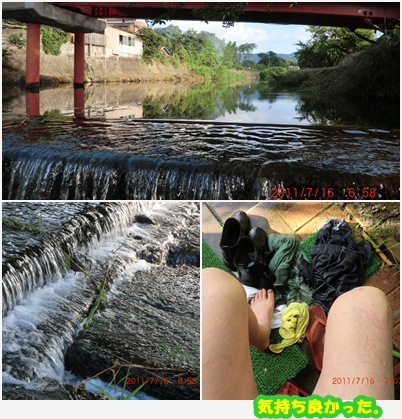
{"points": [[123, 40]]}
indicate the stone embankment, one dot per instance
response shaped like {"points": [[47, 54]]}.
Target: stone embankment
{"points": [[55, 70]]}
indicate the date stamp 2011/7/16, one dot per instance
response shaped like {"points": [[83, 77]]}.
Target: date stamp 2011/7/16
{"points": [[364, 380], [320, 193], [160, 380]]}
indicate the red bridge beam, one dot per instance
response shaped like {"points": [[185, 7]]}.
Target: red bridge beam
{"points": [[353, 15]]}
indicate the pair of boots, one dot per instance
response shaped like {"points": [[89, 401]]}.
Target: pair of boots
{"points": [[245, 250]]}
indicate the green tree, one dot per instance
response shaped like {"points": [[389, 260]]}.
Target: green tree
{"points": [[232, 54], [171, 31], [202, 51], [172, 35], [199, 48], [152, 44], [270, 59], [217, 43], [249, 64], [271, 74], [328, 46], [247, 49]]}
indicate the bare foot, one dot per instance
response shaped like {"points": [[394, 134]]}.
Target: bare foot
{"points": [[262, 306]]}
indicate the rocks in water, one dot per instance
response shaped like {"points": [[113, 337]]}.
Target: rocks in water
{"points": [[48, 390], [149, 331], [183, 255], [143, 219], [150, 253]]}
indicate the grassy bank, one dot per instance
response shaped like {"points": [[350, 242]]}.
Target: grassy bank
{"points": [[373, 73]]}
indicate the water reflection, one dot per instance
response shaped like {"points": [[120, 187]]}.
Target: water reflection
{"points": [[322, 110], [166, 141], [249, 104]]}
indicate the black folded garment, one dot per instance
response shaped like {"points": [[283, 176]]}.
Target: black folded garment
{"points": [[338, 263]]}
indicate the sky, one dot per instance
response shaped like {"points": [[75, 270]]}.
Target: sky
{"points": [[281, 39]]}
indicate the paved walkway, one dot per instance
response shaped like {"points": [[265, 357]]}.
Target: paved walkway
{"points": [[300, 219]]}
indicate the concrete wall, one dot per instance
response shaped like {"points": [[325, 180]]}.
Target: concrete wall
{"points": [[59, 69], [115, 42]]}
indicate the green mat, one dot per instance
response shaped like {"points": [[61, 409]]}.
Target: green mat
{"points": [[271, 371]]}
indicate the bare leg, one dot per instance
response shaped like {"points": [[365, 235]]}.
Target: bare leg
{"points": [[358, 347], [229, 325], [262, 305]]}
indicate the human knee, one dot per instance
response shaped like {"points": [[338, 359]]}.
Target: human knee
{"points": [[366, 295], [209, 275], [367, 301], [220, 282]]}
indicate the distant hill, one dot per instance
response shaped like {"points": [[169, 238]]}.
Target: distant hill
{"points": [[254, 57], [291, 56]]}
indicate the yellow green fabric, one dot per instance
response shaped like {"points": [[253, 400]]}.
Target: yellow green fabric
{"points": [[294, 325]]}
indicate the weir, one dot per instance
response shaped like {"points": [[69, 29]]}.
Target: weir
{"points": [[146, 161], [113, 245], [48, 261]]}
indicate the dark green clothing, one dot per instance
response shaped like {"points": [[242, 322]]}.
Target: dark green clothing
{"points": [[289, 286]]}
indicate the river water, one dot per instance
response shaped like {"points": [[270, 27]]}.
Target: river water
{"points": [[146, 255], [182, 142]]}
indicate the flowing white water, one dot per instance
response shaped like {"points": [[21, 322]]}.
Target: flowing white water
{"points": [[47, 300], [192, 161]]}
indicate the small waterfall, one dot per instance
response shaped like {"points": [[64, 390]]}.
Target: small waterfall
{"points": [[36, 333], [119, 179], [173, 161], [189, 184], [122, 245], [47, 261]]}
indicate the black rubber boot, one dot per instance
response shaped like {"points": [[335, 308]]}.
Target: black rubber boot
{"points": [[235, 227], [250, 260]]}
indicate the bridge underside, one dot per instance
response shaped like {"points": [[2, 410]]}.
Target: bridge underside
{"points": [[46, 14], [352, 15]]}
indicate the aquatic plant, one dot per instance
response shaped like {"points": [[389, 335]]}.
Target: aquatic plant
{"points": [[16, 224]]}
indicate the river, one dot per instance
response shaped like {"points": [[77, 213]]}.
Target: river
{"points": [[137, 262], [173, 141]]}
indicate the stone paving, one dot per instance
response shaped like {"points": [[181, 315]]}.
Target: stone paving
{"points": [[300, 219]]}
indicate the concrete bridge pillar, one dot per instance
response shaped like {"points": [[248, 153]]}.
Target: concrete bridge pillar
{"points": [[79, 59], [33, 56]]}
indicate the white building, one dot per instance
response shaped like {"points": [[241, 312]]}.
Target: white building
{"points": [[120, 39]]}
